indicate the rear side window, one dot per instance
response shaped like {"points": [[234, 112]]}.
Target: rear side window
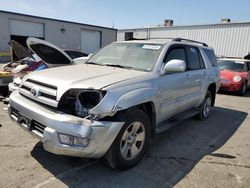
{"points": [[194, 57], [211, 56]]}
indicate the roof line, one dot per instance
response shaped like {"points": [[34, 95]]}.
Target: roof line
{"points": [[186, 26], [53, 19]]}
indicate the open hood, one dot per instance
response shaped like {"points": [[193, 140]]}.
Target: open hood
{"points": [[20, 51], [52, 55]]}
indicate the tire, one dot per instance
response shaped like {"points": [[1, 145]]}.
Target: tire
{"points": [[131, 143], [243, 89], [205, 107]]}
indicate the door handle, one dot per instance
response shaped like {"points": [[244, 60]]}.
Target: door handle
{"points": [[188, 76]]}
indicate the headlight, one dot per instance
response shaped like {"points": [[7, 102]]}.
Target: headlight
{"points": [[78, 102], [73, 140], [237, 78]]}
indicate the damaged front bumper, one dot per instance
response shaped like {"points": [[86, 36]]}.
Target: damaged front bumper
{"points": [[47, 124]]}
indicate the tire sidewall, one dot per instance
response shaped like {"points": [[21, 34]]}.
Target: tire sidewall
{"points": [[118, 160], [208, 94]]}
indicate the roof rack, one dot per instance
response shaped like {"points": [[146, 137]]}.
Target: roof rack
{"points": [[173, 39], [149, 38], [182, 39]]}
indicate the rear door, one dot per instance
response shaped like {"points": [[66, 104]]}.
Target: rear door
{"points": [[196, 75]]}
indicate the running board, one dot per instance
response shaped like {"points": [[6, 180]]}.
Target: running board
{"points": [[163, 126]]}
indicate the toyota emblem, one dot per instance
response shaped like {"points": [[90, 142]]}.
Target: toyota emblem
{"points": [[34, 92]]}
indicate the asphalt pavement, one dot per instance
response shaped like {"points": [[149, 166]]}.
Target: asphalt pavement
{"points": [[210, 153]]}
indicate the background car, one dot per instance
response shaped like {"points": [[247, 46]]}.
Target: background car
{"points": [[25, 62], [235, 75], [17, 70]]}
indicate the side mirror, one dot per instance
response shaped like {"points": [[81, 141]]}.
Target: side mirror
{"points": [[174, 65]]}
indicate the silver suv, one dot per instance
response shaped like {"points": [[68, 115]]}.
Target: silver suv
{"points": [[125, 93]]}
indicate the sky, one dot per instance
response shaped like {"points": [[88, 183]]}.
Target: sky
{"points": [[133, 14]]}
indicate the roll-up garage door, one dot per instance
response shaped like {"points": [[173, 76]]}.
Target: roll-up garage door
{"points": [[90, 41], [24, 28]]}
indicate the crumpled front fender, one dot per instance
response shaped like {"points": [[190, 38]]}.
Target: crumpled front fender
{"points": [[113, 103]]}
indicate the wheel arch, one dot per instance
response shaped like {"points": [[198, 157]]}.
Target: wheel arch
{"points": [[147, 107], [212, 89]]}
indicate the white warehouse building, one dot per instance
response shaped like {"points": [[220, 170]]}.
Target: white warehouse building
{"points": [[227, 39], [67, 35]]}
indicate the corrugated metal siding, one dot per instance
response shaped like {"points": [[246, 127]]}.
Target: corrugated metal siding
{"points": [[4, 33], [70, 39], [227, 39]]}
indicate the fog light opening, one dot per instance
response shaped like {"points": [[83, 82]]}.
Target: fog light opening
{"points": [[73, 140]]}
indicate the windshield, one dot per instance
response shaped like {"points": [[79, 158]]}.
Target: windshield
{"points": [[230, 65], [138, 56]]}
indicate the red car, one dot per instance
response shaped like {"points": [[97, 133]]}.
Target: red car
{"points": [[235, 75]]}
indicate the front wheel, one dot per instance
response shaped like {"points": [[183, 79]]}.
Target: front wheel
{"points": [[131, 143], [205, 107]]}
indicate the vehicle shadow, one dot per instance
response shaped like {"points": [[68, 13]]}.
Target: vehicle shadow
{"points": [[172, 155]]}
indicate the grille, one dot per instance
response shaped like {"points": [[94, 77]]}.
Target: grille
{"points": [[37, 126], [224, 80], [40, 92], [31, 125], [14, 112]]}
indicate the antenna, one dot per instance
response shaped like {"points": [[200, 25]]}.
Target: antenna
{"points": [[113, 23]]}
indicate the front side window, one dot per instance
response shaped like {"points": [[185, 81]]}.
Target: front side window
{"points": [[176, 53], [138, 56]]}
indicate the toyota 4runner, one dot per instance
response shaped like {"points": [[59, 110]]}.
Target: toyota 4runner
{"points": [[125, 93]]}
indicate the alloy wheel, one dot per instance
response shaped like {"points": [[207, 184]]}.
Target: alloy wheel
{"points": [[132, 140], [207, 106]]}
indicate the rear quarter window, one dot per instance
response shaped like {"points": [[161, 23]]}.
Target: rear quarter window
{"points": [[211, 56]]}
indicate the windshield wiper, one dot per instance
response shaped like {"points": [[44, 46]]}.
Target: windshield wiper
{"points": [[119, 66], [93, 63]]}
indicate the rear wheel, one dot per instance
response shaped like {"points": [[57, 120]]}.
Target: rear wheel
{"points": [[205, 107], [131, 143]]}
